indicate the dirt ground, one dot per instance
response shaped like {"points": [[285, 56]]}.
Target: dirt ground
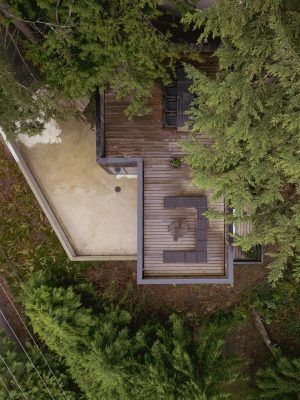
{"points": [[10, 321], [291, 345], [247, 342], [163, 299]]}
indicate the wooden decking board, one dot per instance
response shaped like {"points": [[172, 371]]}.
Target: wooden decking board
{"points": [[158, 240], [145, 137]]}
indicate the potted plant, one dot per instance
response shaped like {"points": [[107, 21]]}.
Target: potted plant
{"points": [[175, 162]]}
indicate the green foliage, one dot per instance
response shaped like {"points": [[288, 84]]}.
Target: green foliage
{"points": [[107, 44], [109, 355], [280, 381], [280, 304], [251, 111], [28, 379], [28, 243], [175, 162], [196, 367], [23, 108]]}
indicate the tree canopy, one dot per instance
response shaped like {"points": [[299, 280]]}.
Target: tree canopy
{"points": [[115, 44], [251, 111], [280, 380], [110, 354], [124, 45], [24, 107], [29, 376]]}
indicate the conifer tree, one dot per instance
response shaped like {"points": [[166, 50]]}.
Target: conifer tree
{"points": [[24, 107], [179, 367], [251, 112], [23, 378], [115, 44], [109, 355], [280, 381]]}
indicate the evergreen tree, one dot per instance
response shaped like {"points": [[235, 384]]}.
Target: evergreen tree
{"points": [[113, 44], [24, 107], [251, 113], [280, 304], [281, 381], [19, 378], [111, 356], [183, 368]]}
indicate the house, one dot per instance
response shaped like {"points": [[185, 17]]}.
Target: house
{"points": [[158, 216], [166, 195]]}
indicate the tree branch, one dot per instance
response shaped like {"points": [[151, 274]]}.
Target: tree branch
{"points": [[262, 330], [21, 57], [20, 24]]}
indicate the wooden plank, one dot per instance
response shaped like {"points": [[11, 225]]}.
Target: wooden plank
{"points": [[145, 137]]}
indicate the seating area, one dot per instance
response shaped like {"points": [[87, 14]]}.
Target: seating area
{"points": [[193, 256], [168, 200]]}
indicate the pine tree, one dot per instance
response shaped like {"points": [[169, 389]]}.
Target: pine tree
{"points": [[19, 376], [114, 44], [183, 368], [24, 107], [109, 355], [251, 113], [97, 349], [280, 381]]}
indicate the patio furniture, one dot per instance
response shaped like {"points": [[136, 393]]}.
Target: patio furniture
{"points": [[198, 255]]}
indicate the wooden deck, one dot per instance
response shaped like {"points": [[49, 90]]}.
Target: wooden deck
{"points": [[145, 137], [161, 180]]}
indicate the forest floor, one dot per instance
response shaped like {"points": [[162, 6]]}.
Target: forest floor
{"points": [[163, 299], [189, 300], [155, 299]]}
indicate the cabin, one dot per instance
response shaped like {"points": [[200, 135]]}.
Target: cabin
{"points": [[136, 200], [177, 244]]}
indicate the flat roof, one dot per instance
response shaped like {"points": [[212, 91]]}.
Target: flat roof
{"points": [[99, 222]]}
